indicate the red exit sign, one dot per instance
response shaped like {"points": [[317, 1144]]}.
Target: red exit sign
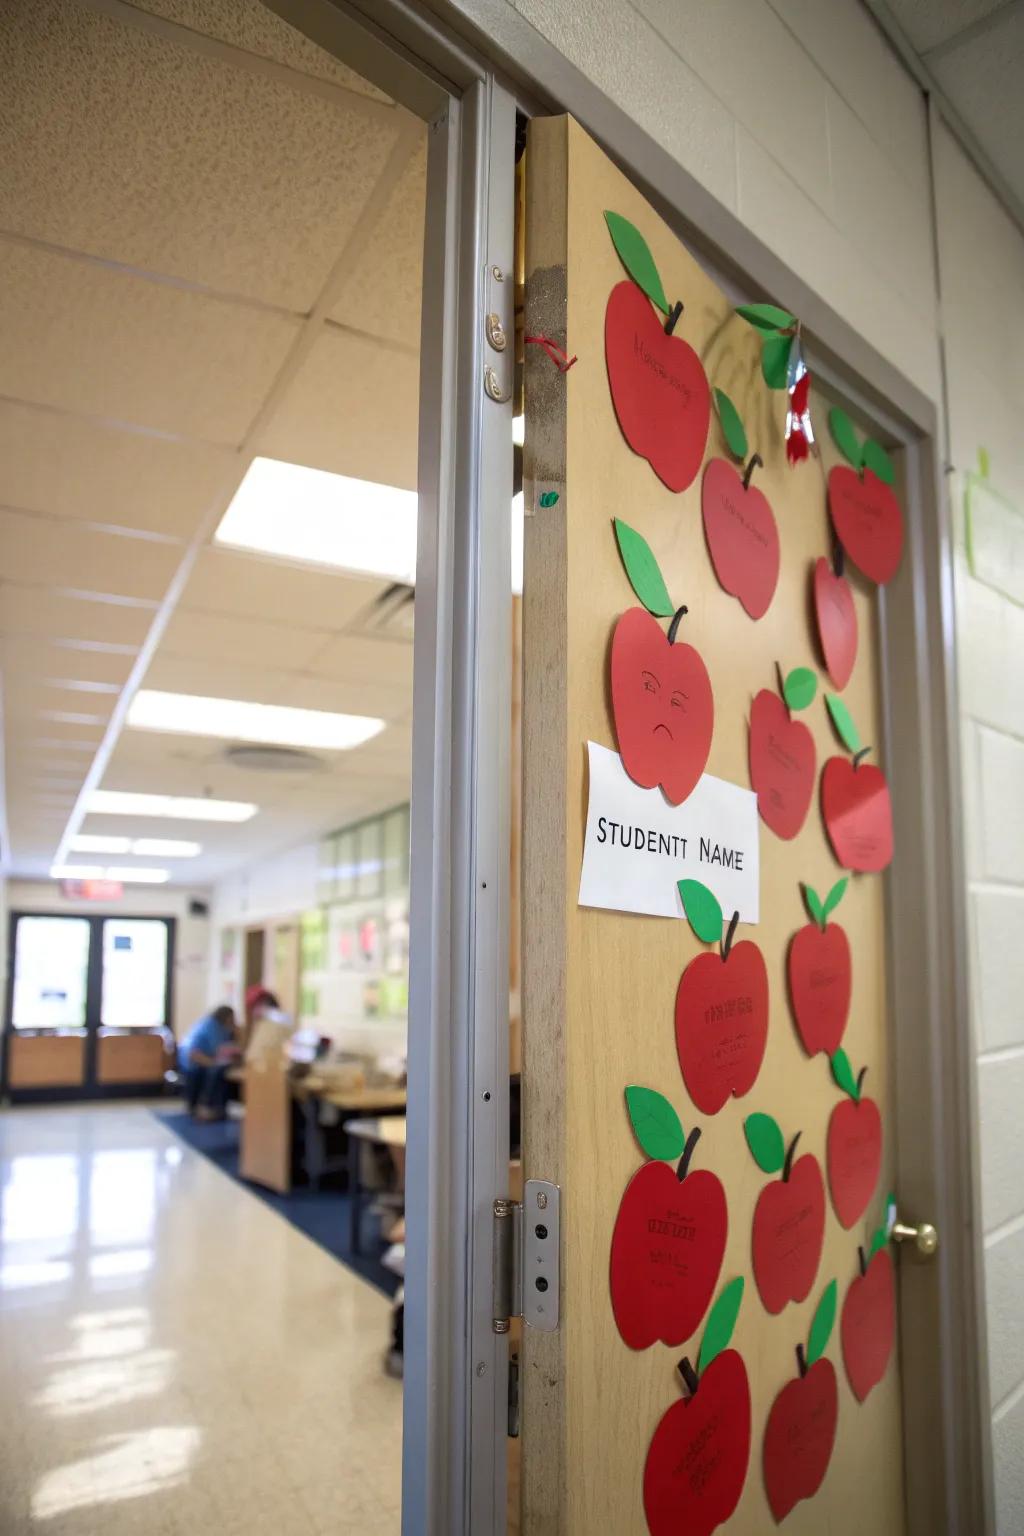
{"points": [[92, 890]]}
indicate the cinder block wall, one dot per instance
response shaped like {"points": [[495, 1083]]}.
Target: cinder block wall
{"points": [[797, 115]]}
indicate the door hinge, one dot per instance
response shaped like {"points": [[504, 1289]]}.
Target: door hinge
{"points": [[526, 1239]]}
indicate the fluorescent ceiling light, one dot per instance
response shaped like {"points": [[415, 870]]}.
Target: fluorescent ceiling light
{"points": [[166, 848], [141, 876], [85, 843], [298, 513], [145, 847], [117, 802], [191, 714]]}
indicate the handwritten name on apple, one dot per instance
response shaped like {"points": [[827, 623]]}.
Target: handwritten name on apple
{"points": [[667, 844], [647, 357], [756, 533]]}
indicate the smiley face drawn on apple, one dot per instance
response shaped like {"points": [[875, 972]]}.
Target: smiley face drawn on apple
{"points": [[662, 705]]}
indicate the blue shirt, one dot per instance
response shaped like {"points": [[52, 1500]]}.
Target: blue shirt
{"points": [[206, 1037]]}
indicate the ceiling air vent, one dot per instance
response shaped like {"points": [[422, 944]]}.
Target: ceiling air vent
{"points": [[273, 759], [389, 616]]}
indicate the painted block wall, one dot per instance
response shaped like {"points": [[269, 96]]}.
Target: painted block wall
{"points": [[797, 116], [981, 275]]}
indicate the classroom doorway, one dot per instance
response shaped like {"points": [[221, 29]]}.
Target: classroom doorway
{"points": [[89, 1004]]}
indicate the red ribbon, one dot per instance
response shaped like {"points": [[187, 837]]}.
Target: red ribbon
{"points": [[562, 361]]}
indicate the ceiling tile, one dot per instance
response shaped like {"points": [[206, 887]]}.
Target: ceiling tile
{"points": [[984, 79], [204, 635], [351, 408], [930, 22], [65, 616], [25, 656], [249, 25], [368, 695], [383, 290], [226, 581], [68, 465], [353, 657], [156, 176], [49, 552], [84, 338]]}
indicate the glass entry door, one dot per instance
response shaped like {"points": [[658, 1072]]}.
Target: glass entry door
{"points": [[88, 1004]]}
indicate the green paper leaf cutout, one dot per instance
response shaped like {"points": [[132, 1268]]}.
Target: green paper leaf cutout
{"points": [[814, 905], [843, 722], [775, 360], [835, 896], [878, 1240], [732, 426], [765, 1140], [642, 569], [845, 434], [720, 1324], [636, 258], [703, 913], [822, 1324], [799, 688], [875, 458], [548, 498], [843, 1073], [767, 317], [655, 1124]]}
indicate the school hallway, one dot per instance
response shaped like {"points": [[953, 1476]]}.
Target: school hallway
{"points": [[177, 1357]]}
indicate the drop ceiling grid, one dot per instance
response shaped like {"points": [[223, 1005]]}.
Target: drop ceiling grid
{"points": [[124, 394]]}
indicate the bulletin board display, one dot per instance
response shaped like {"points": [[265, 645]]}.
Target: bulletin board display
{"points": [[600, 986]]}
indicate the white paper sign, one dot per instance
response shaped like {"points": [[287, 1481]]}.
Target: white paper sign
{"points": [[638, 846]]}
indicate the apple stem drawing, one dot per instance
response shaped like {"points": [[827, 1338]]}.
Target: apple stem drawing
{"points": [[683, 1167], [673, 317], [787, 1167], [726, 943], [838, 557], [755, 461], [717, 1332], [677, 618]]}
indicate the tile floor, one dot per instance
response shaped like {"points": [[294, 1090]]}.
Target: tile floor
{"points": [[174, 1357]]}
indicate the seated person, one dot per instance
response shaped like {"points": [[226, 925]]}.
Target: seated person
{"points": [[204, 1057]]}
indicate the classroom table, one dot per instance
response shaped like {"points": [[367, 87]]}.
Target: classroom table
{"points": [[389, 1132], [310, 1092]]}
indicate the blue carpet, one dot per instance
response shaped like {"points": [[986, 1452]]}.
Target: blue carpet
{"points": [[322, 1214]]}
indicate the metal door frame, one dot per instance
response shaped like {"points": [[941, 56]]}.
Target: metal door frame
{"points": [[444, 59]]}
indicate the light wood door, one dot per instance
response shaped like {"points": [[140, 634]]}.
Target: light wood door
{"points": [[599, 986]]}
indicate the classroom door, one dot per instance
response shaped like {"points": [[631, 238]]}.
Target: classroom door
{"points": [[88, 999], [691, 1232]]}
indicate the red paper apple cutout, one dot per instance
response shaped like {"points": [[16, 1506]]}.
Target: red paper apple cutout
{"points": [[721, 1007], [864, 510], [659, 388], [662, 704], [789, 1218], [837, 620], [853, 1149], [669, 1235], [801, 1428], [697, 1459], [820, 974], [855, 801], [782, 756], [868, 1324], [739, 525]]}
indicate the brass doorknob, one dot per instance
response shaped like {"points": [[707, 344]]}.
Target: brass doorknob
{"points": [[923, 1236]]}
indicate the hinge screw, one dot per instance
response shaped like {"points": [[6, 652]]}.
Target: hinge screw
{"points": [[542, 1201]]}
